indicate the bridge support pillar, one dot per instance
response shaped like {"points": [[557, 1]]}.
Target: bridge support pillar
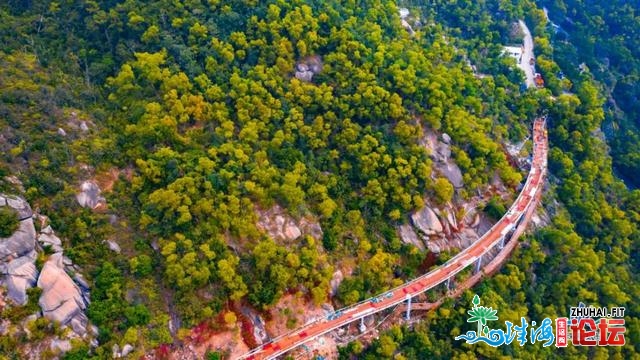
{"points": [[502, 242], [363, 327], [448, 283], [478, 264], [408, 314]]}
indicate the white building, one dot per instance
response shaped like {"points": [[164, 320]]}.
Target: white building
{"points": [[514, 51]]}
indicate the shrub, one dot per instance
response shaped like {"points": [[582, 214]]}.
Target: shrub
{"points": [[8, 221]]}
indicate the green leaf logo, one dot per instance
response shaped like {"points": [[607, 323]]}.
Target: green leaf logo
{"points": [[481, 315]]}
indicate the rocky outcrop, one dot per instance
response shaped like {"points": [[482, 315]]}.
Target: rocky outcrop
{"points": [[20, 274], [20, 243], [307, 68], [280, 226], [60, 345], [404, 20], [335, 282], [409, 236], [90, 196], [48, 239], [61, 299], [18, 204], [452, 172], [440, 152], [17, 252], [426, 221], [113, 246]]}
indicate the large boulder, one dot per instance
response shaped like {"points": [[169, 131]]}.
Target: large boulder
{"points": [[20, 205], [90, 196], [19, 275], [281, 226], [408, 236], [61, 298], [427, 221], [51, 241], [113, 246], [20, 242], [307, 68], [17, 252], [452, 172], [335, 282]]}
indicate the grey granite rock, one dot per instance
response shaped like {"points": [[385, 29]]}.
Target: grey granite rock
{"points": [[61, 298], [60, 345], [19, 243], [426, 221], [409, 236], [19, 275], [126, 350], [336, 280], [20, 205], [90, 195], [51, 241]]}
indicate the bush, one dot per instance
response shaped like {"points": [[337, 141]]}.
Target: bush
{"points": [[443, 190], [213, 355], [495, 208], [8, 221]]}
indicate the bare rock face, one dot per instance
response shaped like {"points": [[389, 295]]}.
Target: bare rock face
{"points": [[51, 241], [17, 254], [20, 243], [292, 231], [434, 246], [60, 345], [335, 282], [61, 298], [280, 226], [126, 349], [18, 204], [408, 236], [451, 219], [440, 152], [307, 68], [20, 274], [113, 246], [427, 221], [467, 237], [452, 172], [89, 195]]}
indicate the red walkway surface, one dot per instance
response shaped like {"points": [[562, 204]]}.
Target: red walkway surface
{"points": [[519, 212]]}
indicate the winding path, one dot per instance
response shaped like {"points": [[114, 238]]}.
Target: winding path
{"points": [[503, 234], [527, 54]]}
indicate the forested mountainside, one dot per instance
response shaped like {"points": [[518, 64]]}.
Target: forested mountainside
{"points": [[603, 38], [590, 251], [162, 141]]}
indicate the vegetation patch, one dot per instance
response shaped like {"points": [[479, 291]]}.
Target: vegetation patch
{"points": [[9, 221]]}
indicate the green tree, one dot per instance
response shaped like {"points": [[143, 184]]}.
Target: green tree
{"points": [[8, 221]]}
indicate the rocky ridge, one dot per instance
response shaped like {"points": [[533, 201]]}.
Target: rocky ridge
{"points": [[65, 292], [281, 226]]}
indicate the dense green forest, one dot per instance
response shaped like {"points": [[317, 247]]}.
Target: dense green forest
{"points": [[605, 37], [195, 104], [590, 251], [199, 104]]}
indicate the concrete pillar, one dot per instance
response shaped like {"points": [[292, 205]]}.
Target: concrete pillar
{"points": [[478, 264], [363, 328], [502, 242], [408, 315], [448, 284]]}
